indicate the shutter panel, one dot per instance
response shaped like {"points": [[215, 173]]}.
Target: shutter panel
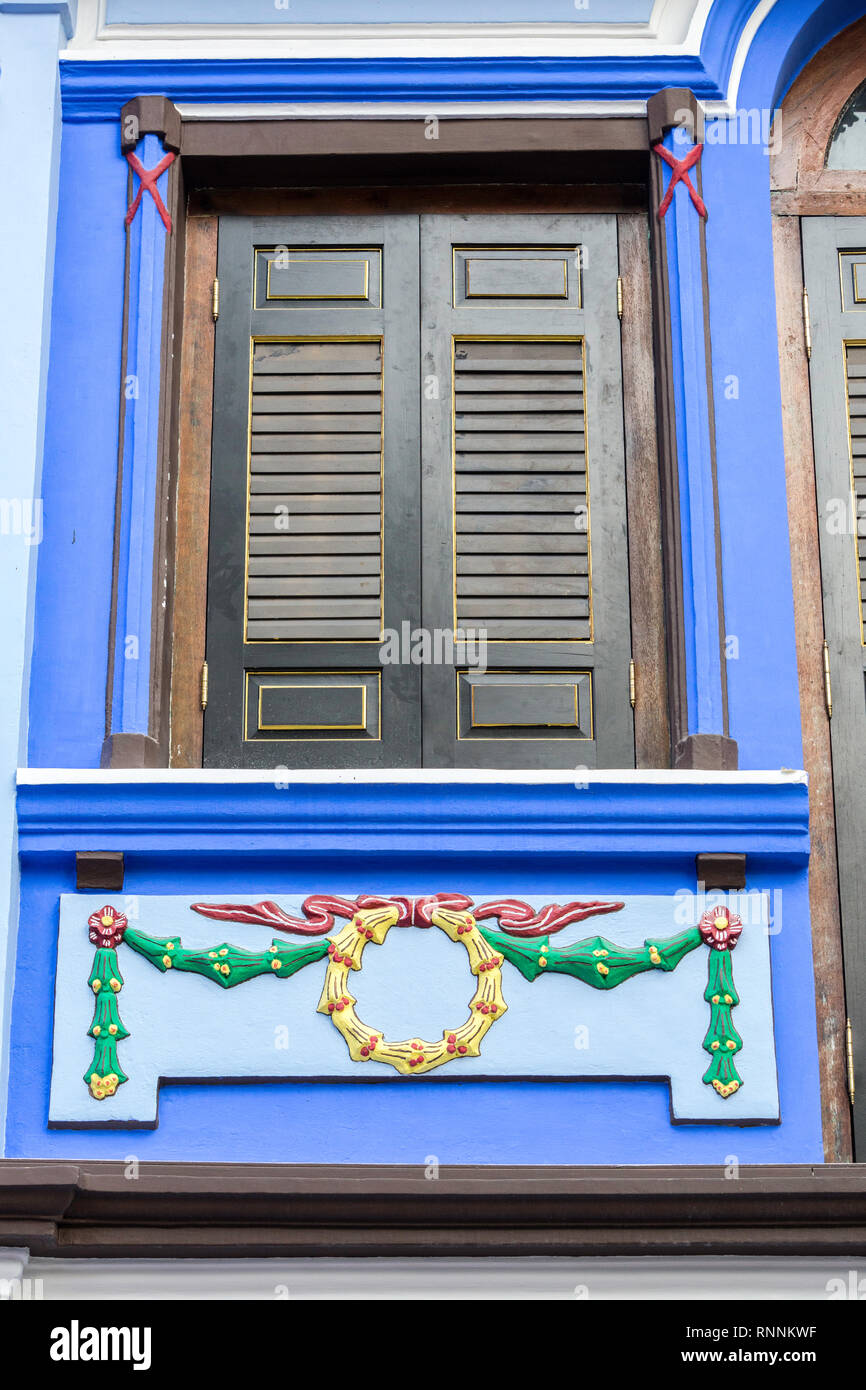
{"points": [[520, 474], [525, 561], [334, 335], [314, 544], [835, 272]]}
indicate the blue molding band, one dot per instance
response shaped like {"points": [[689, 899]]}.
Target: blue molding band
{"points": [[662, 822], [97, 90]]}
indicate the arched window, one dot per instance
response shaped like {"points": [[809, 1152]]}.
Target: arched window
{"points": [[847, 148]]}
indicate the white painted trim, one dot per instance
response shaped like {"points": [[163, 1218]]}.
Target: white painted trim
{"points": [[675, 26], [108, 777], [334, 111], [560, 1278], [753, 24]]}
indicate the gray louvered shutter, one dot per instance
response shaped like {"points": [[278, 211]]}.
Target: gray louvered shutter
{"points": [[315, 527], [525, 559], [835, 268]]}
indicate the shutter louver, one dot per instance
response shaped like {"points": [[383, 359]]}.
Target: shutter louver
{"points": [[521, 519], [315, 506]]}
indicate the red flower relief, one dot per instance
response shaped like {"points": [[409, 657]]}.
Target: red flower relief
{"points": [[107, 927], [720, 928]]}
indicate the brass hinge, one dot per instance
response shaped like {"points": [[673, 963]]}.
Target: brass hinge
{"points": [[619, 297], [849, 1057], [632, 686], [204, 685], [807, 323], [216, 300], [828, 685]]}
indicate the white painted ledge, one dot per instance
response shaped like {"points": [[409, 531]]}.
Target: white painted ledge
{"points": [[46, 776], [557, 1279]]}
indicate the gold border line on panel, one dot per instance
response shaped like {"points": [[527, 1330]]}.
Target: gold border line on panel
{"points": [[366, 674], [498, 294], [298, 727], [518, 723], [313, 298], [843, 253], [276, 308], [516, 738], [555, 250]]}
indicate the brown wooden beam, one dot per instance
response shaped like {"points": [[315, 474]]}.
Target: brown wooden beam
{"points": [[201, 1209]]}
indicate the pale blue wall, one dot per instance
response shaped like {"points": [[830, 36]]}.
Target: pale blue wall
{"points": [[373, 11], [29, 159]]}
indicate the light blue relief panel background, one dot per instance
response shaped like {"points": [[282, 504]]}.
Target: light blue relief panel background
{"points": [[416, 984], [374, 11]]}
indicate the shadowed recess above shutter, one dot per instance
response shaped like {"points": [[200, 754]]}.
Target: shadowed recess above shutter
{"points": [[315, 502], [521, 501]]}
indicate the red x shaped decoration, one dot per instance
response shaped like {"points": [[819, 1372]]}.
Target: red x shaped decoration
{"points": [[680, 174], [148, 178]]}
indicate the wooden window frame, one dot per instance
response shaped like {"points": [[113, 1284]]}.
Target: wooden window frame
{"points": [[802, 186], [195, 409], [211, 155]]}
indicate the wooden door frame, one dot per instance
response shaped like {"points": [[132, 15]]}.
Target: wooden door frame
{"points": [[802, 186], [195, 403]]}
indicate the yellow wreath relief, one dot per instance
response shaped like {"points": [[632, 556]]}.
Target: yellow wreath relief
{"points": [[413, 1056]]}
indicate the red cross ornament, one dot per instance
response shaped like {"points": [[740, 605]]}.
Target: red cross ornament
{"points": [[148, 180], [680, 174]]}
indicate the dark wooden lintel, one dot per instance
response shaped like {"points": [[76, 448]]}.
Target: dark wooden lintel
{"points": [[223, 1210]]}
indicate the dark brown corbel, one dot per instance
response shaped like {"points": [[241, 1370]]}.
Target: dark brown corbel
{"points": [[150, 115], [100, 868], [721, 871]]}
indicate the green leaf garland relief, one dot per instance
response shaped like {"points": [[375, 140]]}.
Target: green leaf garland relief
{"points": [[723, 1042], [595, 960], [104, 1075], [227, 965]]}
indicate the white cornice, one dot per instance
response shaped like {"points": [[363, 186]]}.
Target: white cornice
{"points": [[675, 29], [675, 26]]}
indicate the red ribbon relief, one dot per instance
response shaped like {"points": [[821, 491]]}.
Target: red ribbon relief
{"points": [[680, 174], [148, 180]]}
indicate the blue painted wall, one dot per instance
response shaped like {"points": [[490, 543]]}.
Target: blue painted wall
{"points": [[762, 679], [607, 839], [29, 157], [602, 1122], [597, 1122], [73, 591]]}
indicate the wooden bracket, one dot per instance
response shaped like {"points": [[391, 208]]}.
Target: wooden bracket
{"points": [[721, 870], [100, 868]]}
